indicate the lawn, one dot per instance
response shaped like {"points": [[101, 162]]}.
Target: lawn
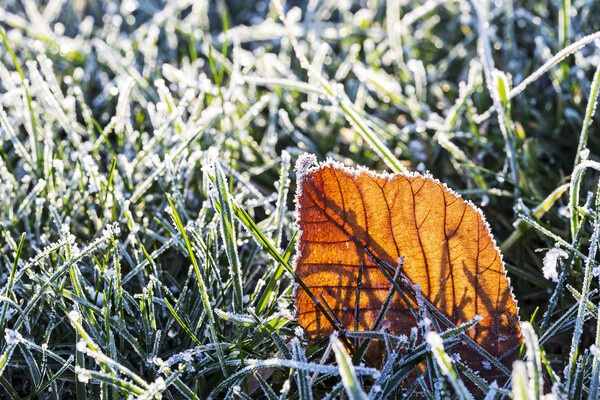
{"points": [[148, 224]]}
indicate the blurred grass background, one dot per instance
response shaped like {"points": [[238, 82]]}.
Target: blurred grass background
{"points": [[147, 146]]}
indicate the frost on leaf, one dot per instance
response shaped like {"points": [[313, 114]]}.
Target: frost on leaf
{"points": [[355, 227]]}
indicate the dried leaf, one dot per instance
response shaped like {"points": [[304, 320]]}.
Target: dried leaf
{"points": [[355, 223]]}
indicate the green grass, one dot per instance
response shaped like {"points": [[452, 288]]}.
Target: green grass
{"points": [[146, 185]]}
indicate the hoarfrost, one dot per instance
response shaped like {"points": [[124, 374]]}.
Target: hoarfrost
{"points": [[83, 375], [160, 363], [550, 269], [584, 154], [64, 229], [595, 351], [75, 250], [12, 337], [187, 356], [285, 387], [413, 332], [74, 315], [424, 323], [304, 163], [434, 340], [81, 346], [437, 349], [299, 332], [110, 231], [155, 388]]}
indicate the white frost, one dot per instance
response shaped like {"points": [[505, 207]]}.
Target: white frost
{"points": [[74, 315], [550, 269], [12, 337], [299, 332], [434, 340], [584, 154], [304, 163], [81, 346], [83, 375], [595, 351]]}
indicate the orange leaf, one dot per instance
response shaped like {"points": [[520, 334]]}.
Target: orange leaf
{"points": [[355, 223]]}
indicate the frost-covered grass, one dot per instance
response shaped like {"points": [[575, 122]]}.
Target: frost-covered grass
{"points": [[146, 184]]}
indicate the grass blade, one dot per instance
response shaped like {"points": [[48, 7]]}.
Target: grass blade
{"points": [[446, 366], [228, 233], [201, 285], [349, 379]]}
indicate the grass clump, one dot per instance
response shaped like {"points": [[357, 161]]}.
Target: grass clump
{"points": [[146, 211]]}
